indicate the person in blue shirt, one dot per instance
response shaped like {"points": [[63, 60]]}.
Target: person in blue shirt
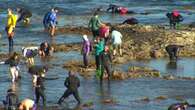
{"points": [[50, 21]]}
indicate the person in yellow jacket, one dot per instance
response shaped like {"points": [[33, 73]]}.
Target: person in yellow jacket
{"points": [[11, 24]]}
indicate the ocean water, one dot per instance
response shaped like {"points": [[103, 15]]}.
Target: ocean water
{"points": [[126, 93]]}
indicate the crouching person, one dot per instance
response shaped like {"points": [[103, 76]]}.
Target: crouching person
{"points": [[179, 106], [72, 84], [173, 51], [27, 104], [30, 53], [45, 49], [11, 101]]}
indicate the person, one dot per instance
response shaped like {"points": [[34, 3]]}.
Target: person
{"points": [[106, 60], [11, 24], [173, 50], [30, 53], [118, 9], [116, 37], [174, 18], [86, 48], [104, 32], [52, 22], [72, 83], [27, 104], [37, 70], [179, 106], [11, 101], [13, 61], [45, 49], [25, 15], [39, 89], [99, 47], [46, 20], [131, 21], [94, 25], [38, 73]]}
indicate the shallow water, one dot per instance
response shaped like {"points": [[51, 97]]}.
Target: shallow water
{"points": [[127, 93]]}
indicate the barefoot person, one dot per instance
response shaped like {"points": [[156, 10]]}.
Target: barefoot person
{"points": [[13, 61], [116, 37], [86, 48], [11, 24], [30, 53], [72, 84]]}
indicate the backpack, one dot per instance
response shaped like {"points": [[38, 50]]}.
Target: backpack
{"points": [[46, 17], [12, 100]]}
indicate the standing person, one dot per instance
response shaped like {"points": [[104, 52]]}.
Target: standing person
{"points": [[27, 104], [85, 50], [11, 101], [174, 18], [38, 73], [25, 15], [99, 47], [116, 37], [39, 89], [11, 24], [106, 61], [94, 25], [46, 20], [53, 22], [13, 61], [104, 32], [72, 83]]}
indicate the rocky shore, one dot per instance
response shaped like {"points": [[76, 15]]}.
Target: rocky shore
{"points": [[147, 41]]}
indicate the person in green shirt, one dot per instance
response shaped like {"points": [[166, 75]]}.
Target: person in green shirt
{"points": [[99, 48], [94, 25]]}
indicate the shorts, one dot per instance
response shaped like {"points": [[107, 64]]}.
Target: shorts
{"points": [[9, 30], [116, 46], [52, 24]]}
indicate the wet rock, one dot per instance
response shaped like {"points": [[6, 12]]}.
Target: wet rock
{"points": [[169, 77], [109, 101], [145, 99], [140, 40], [159, 98], [155, 54], [179, 98], [88, 104], [192, 25]]}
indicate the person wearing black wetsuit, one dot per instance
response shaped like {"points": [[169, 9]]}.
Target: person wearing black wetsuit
{"points": [[25, 15], [72, 84], [11, 101]]}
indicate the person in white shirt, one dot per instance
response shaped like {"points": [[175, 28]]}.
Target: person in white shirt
{"points": [[116, 37], [27, 104], [30, 53]]}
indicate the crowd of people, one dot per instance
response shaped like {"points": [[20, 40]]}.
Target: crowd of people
{"points": [[106, 45]]}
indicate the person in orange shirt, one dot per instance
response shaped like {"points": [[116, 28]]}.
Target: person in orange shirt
{"points": [[11, 24]]}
